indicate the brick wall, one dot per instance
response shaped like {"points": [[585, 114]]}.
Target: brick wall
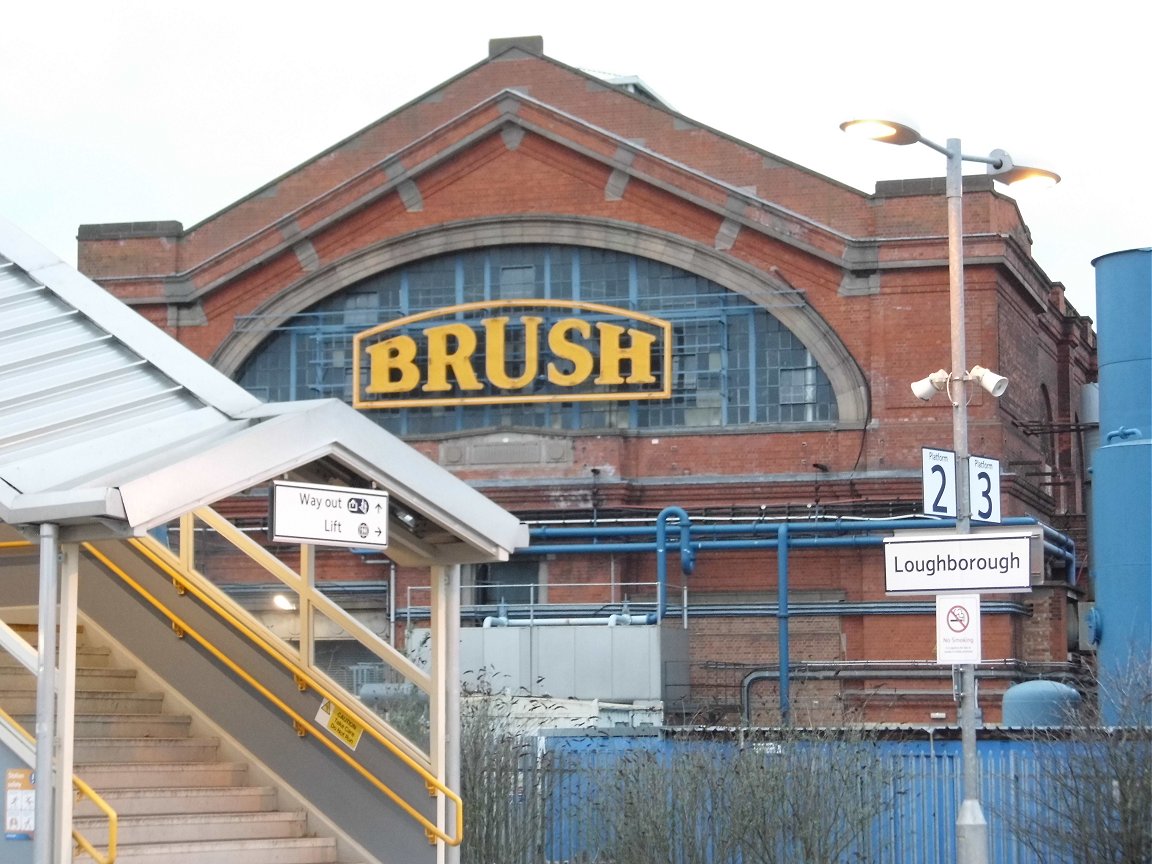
{"points": [[473, 160]]}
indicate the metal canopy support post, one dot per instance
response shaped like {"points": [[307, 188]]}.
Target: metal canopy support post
{"points": [[43, 852], [437, 699], [451, 601], [444, 743], [304, 602], [66, 697]]}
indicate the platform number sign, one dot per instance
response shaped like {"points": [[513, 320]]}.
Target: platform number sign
{"points": [[939, 479], [984, 488]]}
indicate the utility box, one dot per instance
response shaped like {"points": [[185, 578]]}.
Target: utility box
{"points": [[638, 662]]}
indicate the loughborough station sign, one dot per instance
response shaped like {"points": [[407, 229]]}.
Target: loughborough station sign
{"points": [[957, 562]]}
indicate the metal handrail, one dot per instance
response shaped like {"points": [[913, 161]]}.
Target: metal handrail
{"points": [[413, 613], [83, 790], [291, 579], [154, 551]]}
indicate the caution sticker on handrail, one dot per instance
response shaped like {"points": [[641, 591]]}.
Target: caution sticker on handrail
{"points": [[340, 723]]}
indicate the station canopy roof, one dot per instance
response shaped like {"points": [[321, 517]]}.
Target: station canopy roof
{"points": [[109, 427]]}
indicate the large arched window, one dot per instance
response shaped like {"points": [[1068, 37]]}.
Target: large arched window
{"points": [[733, 363]]}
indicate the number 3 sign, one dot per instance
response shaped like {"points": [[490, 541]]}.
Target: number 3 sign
{"points": [[984, 488]]}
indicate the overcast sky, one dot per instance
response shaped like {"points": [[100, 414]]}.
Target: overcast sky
{"points": [[127, 111]]}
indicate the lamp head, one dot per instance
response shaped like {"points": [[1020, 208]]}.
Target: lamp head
{"points": [[1004, 170], [928, 387], [989, 380], [885, 131]]}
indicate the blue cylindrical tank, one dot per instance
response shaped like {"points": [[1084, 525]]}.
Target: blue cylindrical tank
{"points": [[1040, 703], [1122, 478]]}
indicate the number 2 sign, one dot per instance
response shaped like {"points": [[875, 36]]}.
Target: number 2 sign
{"points": [[939, 482]]}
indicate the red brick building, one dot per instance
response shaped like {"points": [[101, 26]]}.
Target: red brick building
{"points": [[594, 308]]}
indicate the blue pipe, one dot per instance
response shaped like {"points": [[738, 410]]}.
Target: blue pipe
{"points": [[782, 618], [1057, 544], [687, 556]]}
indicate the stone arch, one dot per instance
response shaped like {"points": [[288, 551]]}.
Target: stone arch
{"points": [[763, 288]]}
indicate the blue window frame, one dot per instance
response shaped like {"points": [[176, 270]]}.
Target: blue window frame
{"points": [[734, 364]]}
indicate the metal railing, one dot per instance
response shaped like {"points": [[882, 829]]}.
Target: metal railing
{"points": [[187, 579], [25, 654], [563, 800], [612, 596]]}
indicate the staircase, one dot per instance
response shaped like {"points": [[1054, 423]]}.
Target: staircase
{"points": [[176, 798]]}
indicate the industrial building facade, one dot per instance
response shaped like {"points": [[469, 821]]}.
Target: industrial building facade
{"points": [[597, 311]]}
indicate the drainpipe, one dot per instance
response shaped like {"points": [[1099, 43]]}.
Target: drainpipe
{"points": [[782, 617], [392, 605], [687, 554]]}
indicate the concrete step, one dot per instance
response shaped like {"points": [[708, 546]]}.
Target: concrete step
{"points": [[199, 827], [297, 850], [122, 725], [145, 775], [205, 799], [148, 749], [88, 702], [17, 678], [86, 656], [175, 799], [128, 725]]}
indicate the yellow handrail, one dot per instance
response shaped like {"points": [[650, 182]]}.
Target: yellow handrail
{"points": [[432, 830], [293, 580], [83, 790]]}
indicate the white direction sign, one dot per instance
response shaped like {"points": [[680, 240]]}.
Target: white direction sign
{"points": [[329, 515], [939, 481], [933, 564], [957, 629], [984, 489]]}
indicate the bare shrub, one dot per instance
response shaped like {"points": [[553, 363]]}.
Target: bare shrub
{"points": [[814, 796], [504, 784], [1086, 795]]}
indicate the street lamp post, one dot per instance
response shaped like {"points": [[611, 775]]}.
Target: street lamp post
{"points": [[971, 827]]}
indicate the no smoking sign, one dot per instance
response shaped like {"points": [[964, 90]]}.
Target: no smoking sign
{"points": [[957, 619], [957, 629]]}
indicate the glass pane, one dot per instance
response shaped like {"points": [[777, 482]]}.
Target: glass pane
{"points": [[362, 673], [511, 582]]}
